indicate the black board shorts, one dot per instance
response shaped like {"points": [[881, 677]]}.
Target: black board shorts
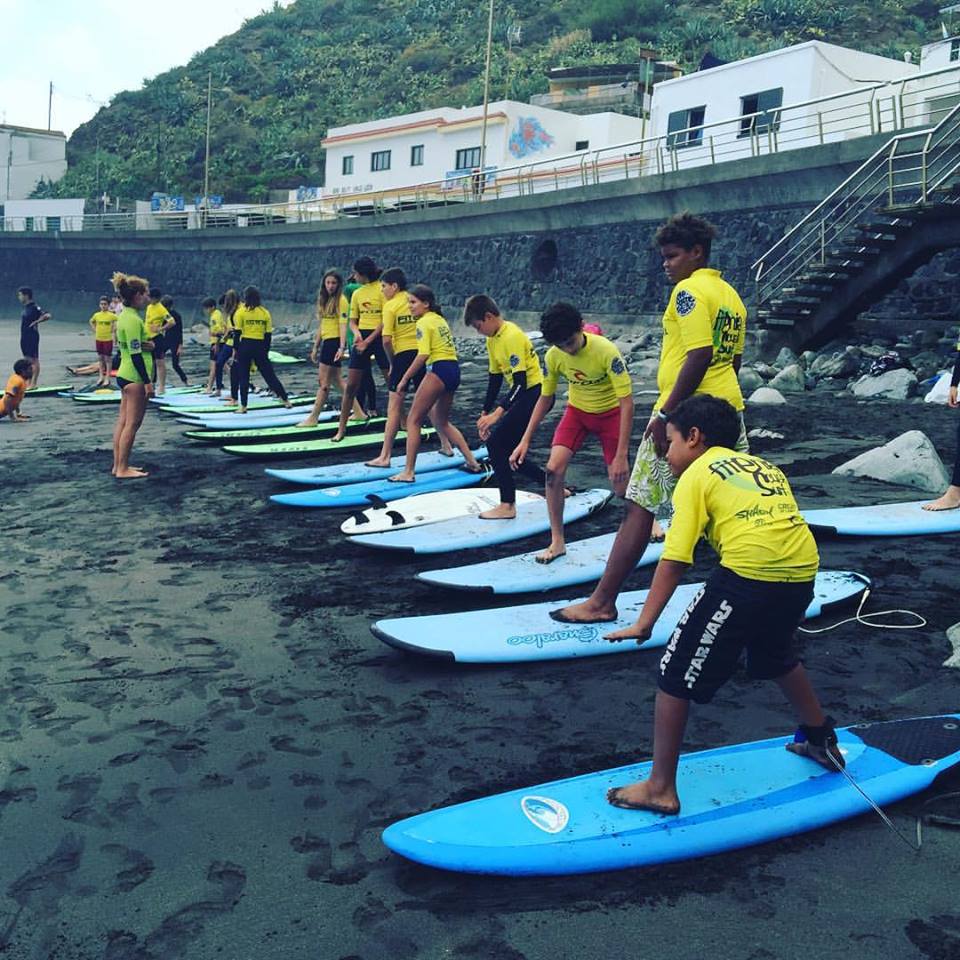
{"points": [[399, 367], [360, 359], [729, 615], [30, 343], [328, 351]]}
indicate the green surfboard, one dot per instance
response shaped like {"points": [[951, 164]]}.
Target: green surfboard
{"points": [[282, 358], [268, 434], [48, 391], [311, 448]]}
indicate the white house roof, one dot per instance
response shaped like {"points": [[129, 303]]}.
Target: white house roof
{"points": [[831, 52]]}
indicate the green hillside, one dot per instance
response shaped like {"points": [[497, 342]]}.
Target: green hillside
{"points": [[289, 74]]}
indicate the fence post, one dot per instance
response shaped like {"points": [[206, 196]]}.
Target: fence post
{"points": [[823, 241]]}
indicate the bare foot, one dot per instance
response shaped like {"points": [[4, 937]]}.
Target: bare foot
{"points": [[553, 552], [403, 477], [337, 437], [445, 451], [641, 796], [378, 462], [657, 534], [473, 467], [503, 511], [949, 501], [131, 473], [587, 612], [309, 422], [287, 404]]}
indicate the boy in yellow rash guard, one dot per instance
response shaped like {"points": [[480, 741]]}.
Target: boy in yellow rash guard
{"points": [[503, 420], [104, 323], [753, 601], [218, 330], [157, 321], [255, 324], [600, 402], [703, 335]]}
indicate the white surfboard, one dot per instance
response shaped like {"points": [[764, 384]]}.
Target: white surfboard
{"points": [[424, 508]]}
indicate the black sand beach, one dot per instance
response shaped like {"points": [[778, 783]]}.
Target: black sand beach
{"points": [[201, 741]]}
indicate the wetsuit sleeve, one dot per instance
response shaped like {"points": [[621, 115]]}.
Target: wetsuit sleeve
{"points": [[519, 385], [494, 383], [140, 367], [955, 378]]}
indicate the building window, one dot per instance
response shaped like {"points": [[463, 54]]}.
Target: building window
{"points": [[380, 160], [347, 166], [468, 158], [416, 155], [954, 50], [685, 128], [759, 112], [582, 145]]}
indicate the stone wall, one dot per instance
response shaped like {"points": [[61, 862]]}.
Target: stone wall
{"points": [[591, 246]]}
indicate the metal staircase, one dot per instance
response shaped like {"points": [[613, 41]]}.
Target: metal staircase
{"points": [[891, 215]]}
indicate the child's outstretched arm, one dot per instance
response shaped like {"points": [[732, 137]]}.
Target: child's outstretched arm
{"points": [[543, 407], [618, 471], [665, 579]]}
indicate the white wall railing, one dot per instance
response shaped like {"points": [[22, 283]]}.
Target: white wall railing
{"points": [[913, 102]]}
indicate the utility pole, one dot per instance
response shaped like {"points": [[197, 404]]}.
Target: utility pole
{"points": [[486, 101], [206, 155], [50, 108]]}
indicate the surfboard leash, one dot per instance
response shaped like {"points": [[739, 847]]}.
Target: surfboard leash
{"points": [[876, 807], [866, 618]]}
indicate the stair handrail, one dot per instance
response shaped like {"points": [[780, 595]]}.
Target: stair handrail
{"points": [[937, 143]]}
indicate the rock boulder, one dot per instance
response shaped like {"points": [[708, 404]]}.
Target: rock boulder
{"points": [[910, 460], [892, 385], [766, 395], [790, 379]]}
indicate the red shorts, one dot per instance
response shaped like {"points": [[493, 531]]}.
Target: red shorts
{"points": [[576, 425], [105, 348]]}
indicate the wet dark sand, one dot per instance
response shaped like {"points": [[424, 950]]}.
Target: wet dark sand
{"points": [[202, 741]]}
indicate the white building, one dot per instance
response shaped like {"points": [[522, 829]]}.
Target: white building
{"points": [[41, 215], [26, 157], [800, 96], [444, 144]]}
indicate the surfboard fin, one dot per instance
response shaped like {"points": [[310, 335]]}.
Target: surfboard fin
{"points": [[396, 517], [378, 502]]}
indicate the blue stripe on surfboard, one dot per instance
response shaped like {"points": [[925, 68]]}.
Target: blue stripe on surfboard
{"points": [[349, 473], [255, 421], [471, 532], [584, 561], [527, 632], [358, 494], [885, 520], [732, 796]]}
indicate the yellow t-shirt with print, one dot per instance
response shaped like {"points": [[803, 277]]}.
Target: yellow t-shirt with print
{"points": [[330, 322], [510, 351], [102, 322], [704, 311], [434, 339], [399, 323], [254, 323], [218, 326], [154, 318], [597, 374], [366, 306], [746, 510]]}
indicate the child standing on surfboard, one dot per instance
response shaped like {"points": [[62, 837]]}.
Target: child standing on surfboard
{"points": [[753, 601], [600, 403], [503, 420]]}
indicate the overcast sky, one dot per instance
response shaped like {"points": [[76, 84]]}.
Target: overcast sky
{"points": [[93, 49]]}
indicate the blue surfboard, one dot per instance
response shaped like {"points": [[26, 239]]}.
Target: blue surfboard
{"points": [[528, 632], [731, 797], [362, 494], [471, 532], [885, 520], [339, 474], [584, 561], [255, 419]]}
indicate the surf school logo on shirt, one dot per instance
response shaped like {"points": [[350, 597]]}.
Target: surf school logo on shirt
{"points": [[514, 360], [419, 334], [686, 303], [618, 366], [548, 815]]}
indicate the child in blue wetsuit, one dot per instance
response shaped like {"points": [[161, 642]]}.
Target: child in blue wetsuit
{"points": [[753, 601]]}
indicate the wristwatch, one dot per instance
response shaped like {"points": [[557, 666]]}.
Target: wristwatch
{"points": [[663, 415]]}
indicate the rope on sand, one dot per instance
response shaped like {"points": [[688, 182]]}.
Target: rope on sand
{"points": [[867, 619]]}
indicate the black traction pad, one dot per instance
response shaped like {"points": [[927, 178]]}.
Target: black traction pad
{"points": [[913, 741]]}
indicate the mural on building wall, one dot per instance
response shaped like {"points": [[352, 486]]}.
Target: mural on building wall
{"points": [[529, 137]]}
